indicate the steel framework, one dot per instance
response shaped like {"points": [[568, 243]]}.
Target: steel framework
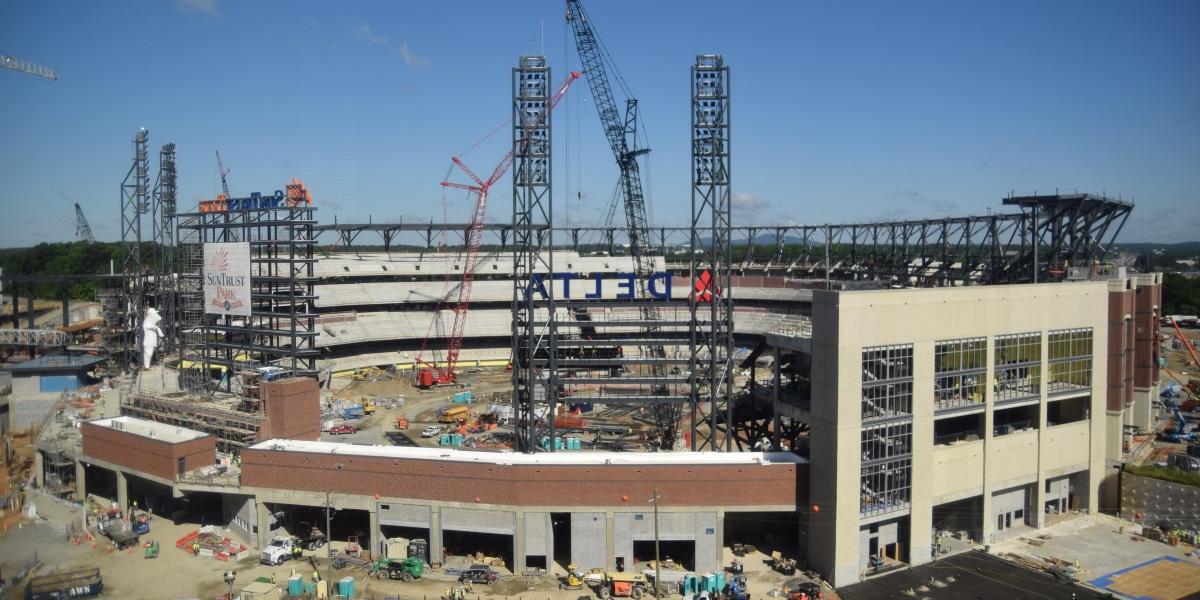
{"points": [[281, 330], [533, 212], [712, 339], [83, 231], [1075, 229], [37, 338], [123, 337], [163, 222]]}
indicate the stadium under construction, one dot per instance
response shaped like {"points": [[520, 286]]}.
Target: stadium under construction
{"points": [[839, 392]]}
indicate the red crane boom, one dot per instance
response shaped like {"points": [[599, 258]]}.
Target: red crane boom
{"points": [[430, 374]]}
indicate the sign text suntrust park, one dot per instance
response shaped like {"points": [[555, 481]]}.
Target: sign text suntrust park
{"points": [[658, 285]]}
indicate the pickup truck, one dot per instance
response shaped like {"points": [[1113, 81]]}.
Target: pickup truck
{"points": [[278, 551], [431, 431]]}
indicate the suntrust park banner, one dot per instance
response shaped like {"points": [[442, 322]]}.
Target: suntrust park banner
{"points": [[227, 278]]}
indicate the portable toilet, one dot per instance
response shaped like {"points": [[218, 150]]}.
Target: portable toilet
{"points": [[444, 439], [296, 586], [346, 587]]}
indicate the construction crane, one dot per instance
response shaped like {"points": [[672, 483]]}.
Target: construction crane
{"points": [[17, 64], [622, 138], [431, 374], [224, 173], [83, 231]]}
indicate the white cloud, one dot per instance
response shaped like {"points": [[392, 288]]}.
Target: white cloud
{"points": [[745, 201], [413, 61], [208, 7]]}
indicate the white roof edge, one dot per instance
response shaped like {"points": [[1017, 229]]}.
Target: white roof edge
{"points": [[149, 429], [546, 458]]}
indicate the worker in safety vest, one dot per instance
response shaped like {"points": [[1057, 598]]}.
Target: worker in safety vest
{"points": [[196, 548], [297, 552]]}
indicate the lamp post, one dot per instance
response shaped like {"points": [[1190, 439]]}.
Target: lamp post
{"points": [[657, 559], [229, 577]]}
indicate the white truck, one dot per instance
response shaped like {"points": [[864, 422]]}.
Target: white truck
{"points": [[278, 551]]}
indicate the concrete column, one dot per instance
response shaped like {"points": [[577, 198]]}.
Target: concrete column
{"points": [[122, 492], [609, 546], [39, 470], [376, 539], [263, 518], [920, 531], [518, 542], [435, 534], [80, 481], [720, 539], [988, 528], [1039, 492]]}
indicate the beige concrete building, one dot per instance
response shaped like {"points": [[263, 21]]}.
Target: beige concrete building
{"points": [[977, 410]]}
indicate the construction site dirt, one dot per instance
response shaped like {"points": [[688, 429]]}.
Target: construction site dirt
{"points": [[178, 573]]}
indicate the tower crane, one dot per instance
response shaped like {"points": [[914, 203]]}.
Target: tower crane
{"points": [[224, 172], [622, 138], [83, 231], [17, 64], [431, 374]]}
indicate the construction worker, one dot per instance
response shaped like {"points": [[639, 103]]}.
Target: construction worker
{"points": [[292, 575], [196, 548], [297, 552], [316, 576]]}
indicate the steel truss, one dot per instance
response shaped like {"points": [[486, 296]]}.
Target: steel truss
{"points": [[123, 330], [711, 341], [281, 330], [163, 222], [1075, 229], [534, 385], [37, 338]]}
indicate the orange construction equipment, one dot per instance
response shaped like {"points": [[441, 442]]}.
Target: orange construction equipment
{"points": [[1186, 343], [401, 422]]}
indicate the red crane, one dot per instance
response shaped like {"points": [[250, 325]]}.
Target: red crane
{"points": [[430, 374]]}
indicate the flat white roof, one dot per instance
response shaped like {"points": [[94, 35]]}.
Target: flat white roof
{"points": [[544, 458], [150, 429]]}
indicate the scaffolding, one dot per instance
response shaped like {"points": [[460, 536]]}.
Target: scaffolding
{"points": [[281, 329], [232, 428]]}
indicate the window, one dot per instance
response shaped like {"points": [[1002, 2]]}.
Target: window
{"points": [[1018, 367], [886, 441], [1070, 361], [959, 370], [885, 486], [886, 382]]}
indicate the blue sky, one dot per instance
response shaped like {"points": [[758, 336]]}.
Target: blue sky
{"points": [[842, 112]]}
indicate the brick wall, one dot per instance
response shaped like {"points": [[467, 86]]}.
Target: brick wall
{"points": [[151, 456], [293, 409], [1120, 350], [1146, 313], [530, 485]]}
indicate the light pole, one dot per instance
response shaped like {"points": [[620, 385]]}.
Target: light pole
{"points": [[328, 534], [229, 577], [657, 559]]}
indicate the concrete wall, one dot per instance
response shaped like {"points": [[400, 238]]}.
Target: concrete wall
{"points": [[27, 410], [1160, 501], [152, 456], [957, 471], [589, 540], [241, 516], [698, 527]]}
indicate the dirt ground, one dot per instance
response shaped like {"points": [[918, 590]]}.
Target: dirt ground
{"points": [[177, 574]]}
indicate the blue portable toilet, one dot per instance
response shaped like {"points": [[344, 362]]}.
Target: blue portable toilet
{"points": [[346, 587], [296, 586]]}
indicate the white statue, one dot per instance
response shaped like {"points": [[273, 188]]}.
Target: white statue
{"points": [[150, 336]]}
